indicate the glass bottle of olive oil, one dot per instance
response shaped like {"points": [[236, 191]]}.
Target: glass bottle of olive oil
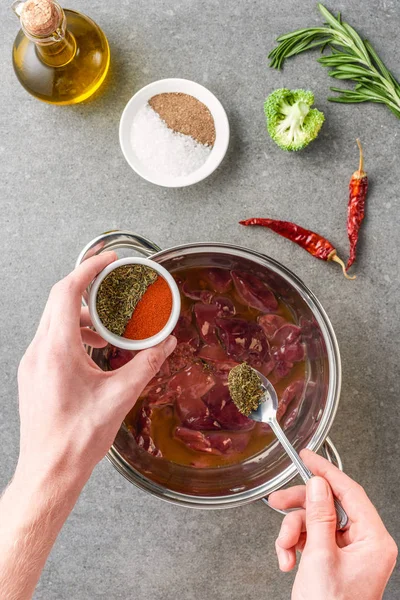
{"points": [[59, 56]]}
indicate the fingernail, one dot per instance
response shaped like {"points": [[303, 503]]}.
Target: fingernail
{"points": [[170, 344], [317, 489]]}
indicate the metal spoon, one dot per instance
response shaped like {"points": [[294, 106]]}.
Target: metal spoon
{"points": [[266, 413]]}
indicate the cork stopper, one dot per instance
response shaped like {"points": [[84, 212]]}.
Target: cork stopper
{"points": [[40, 17]]}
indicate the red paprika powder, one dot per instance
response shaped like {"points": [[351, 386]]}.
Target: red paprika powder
{"points": [[151, 313]]}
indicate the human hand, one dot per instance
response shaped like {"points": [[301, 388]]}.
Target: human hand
{"points": [[354, 564], [70, 409]]}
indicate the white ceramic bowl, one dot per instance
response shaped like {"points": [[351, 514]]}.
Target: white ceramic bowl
{"points": [[186, 87], [117, 340]]}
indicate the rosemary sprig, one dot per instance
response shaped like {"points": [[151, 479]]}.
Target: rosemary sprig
{"points": [[351, 59]]}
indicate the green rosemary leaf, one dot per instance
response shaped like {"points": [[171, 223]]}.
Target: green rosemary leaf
{"points": [[381, 66], [300, 32], [348, 99], [306, 45], [358, 41], [395, 111], [333, 22], [355, 69], [342, 75], [335, 59], [326, 44]]}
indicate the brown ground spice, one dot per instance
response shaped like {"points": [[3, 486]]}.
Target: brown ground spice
{"points": [[185, 114]]}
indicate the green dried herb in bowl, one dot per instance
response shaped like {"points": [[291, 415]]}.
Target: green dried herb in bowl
{"points": [[245, 388], [119, 294]]}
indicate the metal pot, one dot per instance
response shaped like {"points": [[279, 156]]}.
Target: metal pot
{"points": [[270, 470]]}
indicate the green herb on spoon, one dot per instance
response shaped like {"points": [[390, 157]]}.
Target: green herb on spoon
{"points": [[245, 388], [351, 58]]}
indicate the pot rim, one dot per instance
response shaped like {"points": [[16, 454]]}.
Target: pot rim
{"points": [[322, 431]]}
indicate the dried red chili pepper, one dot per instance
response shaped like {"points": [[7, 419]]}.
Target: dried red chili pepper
{"points": [[358, 188], [314, 243]]}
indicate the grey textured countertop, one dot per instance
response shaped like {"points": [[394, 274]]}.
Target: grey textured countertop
{"points": [[64, 180]]}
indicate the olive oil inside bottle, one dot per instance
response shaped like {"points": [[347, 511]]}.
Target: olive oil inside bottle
{"points": [[66, 71]]}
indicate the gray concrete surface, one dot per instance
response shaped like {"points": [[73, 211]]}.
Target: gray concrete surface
{"points": [[64, 180]]}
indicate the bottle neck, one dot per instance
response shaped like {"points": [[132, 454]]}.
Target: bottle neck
{"points": [[56, 47], [58, 53]]}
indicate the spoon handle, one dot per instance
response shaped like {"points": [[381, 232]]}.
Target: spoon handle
{"points": [[304, 472]]}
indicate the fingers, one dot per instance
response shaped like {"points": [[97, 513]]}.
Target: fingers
{"points": [[91, 338], [84, 274], [352, 496], [291, 537], [320, 515], [86, 319], [130, 380], [293, 497], [65, 298]]}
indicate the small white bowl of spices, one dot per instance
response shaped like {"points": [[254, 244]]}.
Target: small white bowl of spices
{"points": [[174, 132], [134, 303]]}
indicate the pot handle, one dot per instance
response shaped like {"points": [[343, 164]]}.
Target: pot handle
{"points": [[112, 240], [331, 453]]}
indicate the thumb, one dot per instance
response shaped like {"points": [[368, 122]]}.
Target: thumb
{"points": [[131, 379], [320, 514]]}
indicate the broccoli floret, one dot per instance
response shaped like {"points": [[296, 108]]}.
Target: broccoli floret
{"points": [[291, 122]]}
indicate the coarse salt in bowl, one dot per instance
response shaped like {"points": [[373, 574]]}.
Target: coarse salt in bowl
{"points": [[205, 166], [119, 341]]}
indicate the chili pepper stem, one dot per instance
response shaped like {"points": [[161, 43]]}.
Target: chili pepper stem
{"points": [[335, 258], [361, 163]]}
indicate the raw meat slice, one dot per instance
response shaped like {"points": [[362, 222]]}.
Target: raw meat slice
{"points": [[195, 381], [288, 349], [287, 334], [281, 370], [204, 296], [224, 410], [267, 367], [226, 307], [205, 315], [217, 397], [312, 336], [270, 324], [214, 353], [239, 441], [231, 419], [143, 423], [186, 332], [221, 364], [293, 353], [244, 341], [182, 356], [159, 396], [194, 440], [293, 390], [146, 442], [119, 357], [212, 443], [220, 441], [220, 279], [253, 292], [193, 413], [143, 432]]}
